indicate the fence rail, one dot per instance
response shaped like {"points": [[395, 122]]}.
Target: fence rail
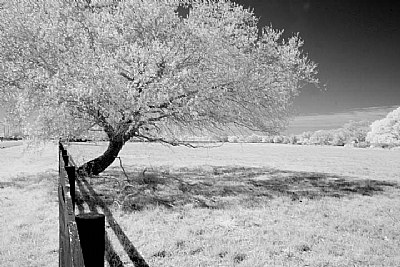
{"points": [[84, 242], [82, 237], [70, 253]]}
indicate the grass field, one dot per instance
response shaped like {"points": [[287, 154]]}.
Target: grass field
{"points": [[254, 204], [234, 205], [28, 207], [6, 144]]}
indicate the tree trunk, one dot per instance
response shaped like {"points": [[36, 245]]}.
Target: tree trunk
{"points": [[99, 164]]}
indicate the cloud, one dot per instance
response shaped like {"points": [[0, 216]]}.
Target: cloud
{"points": [[315, 122]]}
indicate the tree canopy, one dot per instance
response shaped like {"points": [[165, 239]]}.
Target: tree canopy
{"points": [[386, 131], [143, 69]]}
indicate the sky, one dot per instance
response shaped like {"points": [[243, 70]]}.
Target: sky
{"points": [[335, 120], [356, 46]]}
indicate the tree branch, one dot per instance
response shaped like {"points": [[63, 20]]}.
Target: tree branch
{"points": [[172, 99], [161, 140], [94, 7], [159, 75]]}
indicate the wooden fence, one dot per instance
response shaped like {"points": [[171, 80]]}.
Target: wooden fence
{"points": [[70, 253], [77, 233]]}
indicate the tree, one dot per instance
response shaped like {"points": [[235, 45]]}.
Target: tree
{"points": [[142, 69], [357, 130], [305, 137], [386, 131], [340, 137], [321, 137], [293, 139]]}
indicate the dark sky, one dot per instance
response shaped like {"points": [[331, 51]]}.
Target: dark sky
{"points": [[355, 43]]}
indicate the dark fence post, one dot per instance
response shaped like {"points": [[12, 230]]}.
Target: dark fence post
{"points": [[71, 172], [64, 155], [61, 220], [66, 159], [60, 145], [60, 151], [91, 229]]}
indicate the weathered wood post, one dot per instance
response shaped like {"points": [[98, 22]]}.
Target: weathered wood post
{"points": [[65, 157], [71, 172], [60, 145], [91, 229], [61, 236], [60, 149]]}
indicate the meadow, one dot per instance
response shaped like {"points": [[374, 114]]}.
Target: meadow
{"points": [[230, 205], [28, 206]]}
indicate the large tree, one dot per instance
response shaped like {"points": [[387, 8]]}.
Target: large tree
{"points": [[386, 132], [146, 69]]}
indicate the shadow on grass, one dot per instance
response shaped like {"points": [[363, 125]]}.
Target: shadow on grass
{"points": [[87, 194], [220, 187]]}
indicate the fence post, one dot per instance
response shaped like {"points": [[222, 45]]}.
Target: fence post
{"points": [[60, 151], [91, 229], [64, 154], [71, 172], [66, 159], [61, 220], [60, 145]]}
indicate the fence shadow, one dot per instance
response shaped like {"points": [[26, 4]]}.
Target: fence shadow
{"points": [[218, 187], [86, 194]]}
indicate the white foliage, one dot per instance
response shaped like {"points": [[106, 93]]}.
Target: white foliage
{"points": [[136, 68], [386, 131]]}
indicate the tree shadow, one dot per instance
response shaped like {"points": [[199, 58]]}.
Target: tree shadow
{"points": [[219, 187], [86, 194]]}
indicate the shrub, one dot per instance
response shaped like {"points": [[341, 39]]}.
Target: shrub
{"points": [[339, 137], [277, 139], [321, 137], [267, 139], [241, 139], [233, 139], [253, 139], [293, 139], [219, 138], [363, 144], [357, 130], [305, 138], [286, 140]]}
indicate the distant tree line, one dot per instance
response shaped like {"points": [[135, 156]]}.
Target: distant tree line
{"points": [[381, 133], [351, 134]]}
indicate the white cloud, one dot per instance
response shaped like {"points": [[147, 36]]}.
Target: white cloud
{"points": [[336, 120]]}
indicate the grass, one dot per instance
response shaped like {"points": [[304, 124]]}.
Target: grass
{"points": [[281, 233], [235, 205], [6, 144], [28, 208], [251, 205]]}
